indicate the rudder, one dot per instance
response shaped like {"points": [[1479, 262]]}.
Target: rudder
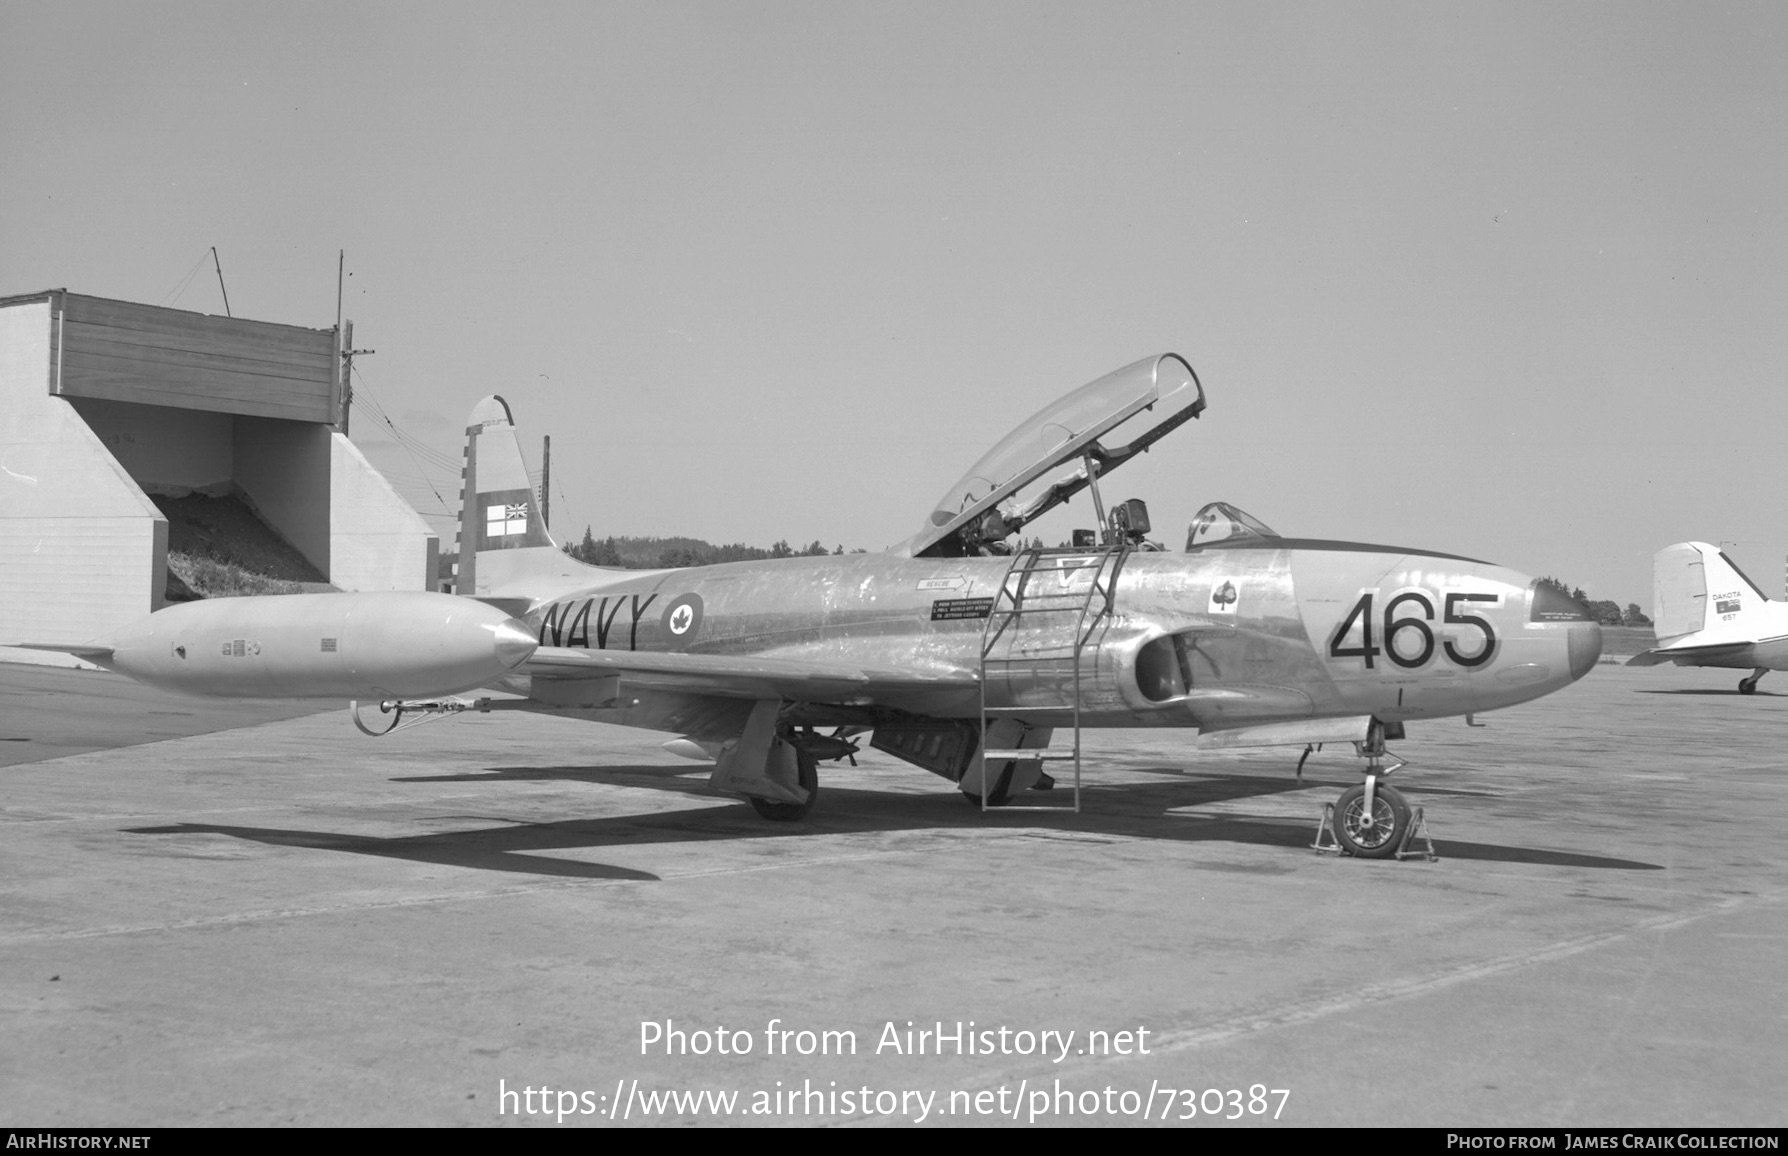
{"points": [[503, 539], [1696, 588], [1679, 591]]}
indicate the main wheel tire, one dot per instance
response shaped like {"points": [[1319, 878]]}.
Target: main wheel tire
{"points": [[1002, 789], [1746, 686], [808, 777], [1374, 836]]}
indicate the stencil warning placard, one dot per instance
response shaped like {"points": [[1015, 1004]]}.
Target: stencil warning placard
{"points": [[949, 609]]}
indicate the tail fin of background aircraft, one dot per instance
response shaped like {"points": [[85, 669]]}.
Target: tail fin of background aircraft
{"points": [[505, 550], [1698, 589]]}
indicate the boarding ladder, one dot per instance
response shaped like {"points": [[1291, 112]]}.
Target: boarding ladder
{"points": [[1047, 610]]}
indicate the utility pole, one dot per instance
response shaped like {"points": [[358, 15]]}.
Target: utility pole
{"points": [[348, 353], [344, 334]]}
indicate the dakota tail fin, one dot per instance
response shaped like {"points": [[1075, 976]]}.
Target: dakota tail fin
{"points": [[505, 550], [1697, 589]]}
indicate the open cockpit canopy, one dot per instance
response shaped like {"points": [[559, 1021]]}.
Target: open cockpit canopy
{"points": [[1222, 522], [1047, 458]]}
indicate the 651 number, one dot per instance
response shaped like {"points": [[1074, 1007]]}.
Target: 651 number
{"points": [[1410, 613]]}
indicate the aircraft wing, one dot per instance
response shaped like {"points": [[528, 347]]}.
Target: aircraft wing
{"points": [[88, 651], [743, 676], [1732, 651]]}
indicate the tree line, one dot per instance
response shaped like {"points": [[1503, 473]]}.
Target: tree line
{"points": [[627, 553], [1603, 611]]}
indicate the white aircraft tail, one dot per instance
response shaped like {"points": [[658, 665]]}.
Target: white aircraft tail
{"points": [[1698, 590], [505, 550]]}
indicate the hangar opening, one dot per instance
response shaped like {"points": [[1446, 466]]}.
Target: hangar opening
{"points": [[127, 428]]}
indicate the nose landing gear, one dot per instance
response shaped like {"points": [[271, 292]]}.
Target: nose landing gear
{"points": [[1374, 820], [1370, 820]]}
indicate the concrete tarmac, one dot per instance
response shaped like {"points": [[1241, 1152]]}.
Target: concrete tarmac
{"points": [[287, 923], [47, 712]]}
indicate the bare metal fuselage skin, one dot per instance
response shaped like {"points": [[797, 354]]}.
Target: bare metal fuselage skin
{"points": [[1216, 638]]}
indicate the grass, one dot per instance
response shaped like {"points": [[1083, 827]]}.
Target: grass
{"points": [[1627, 640]]}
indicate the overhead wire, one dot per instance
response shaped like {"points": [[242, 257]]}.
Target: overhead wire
{"points": [[420, 452], [417, 450], [173, 295]]}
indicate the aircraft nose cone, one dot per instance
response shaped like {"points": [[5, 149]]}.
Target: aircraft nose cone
{"points": [[514, 645], [1585, 647]]}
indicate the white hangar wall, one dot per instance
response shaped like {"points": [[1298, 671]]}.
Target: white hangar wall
{"points": [[105, 402], [82, 549], [373, 533]]}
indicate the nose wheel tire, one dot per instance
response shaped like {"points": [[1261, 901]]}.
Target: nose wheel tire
{"points": [[808, 776], [1374, 836]]}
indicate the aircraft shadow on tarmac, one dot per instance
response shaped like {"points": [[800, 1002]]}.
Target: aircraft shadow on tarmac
{"points": [[1150, 810], [1716, 693]]}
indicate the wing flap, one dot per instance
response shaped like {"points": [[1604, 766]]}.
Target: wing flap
{"points": [[1297, 732]]}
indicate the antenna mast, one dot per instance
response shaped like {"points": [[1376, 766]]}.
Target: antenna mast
{"points": [[546, 480], [220, 284]]}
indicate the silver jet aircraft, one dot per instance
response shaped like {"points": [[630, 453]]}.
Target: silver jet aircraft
{"points": [[1707, 613], [961, 650]]}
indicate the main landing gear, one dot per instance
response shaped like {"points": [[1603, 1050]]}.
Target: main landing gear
{"points": [[1749, 685], [1374, 820], [808, 747], [807, 775]]}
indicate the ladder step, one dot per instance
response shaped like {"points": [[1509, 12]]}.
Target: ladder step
{"points": [[1047, 756], [1075, 562]]}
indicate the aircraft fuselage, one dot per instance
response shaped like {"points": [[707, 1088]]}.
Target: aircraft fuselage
{"points": [[1214, 638]]}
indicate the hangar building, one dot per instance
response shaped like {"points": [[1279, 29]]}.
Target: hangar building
{"points": [[106, 404]]}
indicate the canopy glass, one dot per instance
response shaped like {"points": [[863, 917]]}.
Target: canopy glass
{"points": [[1045, 459]]}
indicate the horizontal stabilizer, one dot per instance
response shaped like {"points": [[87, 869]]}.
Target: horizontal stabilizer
{"points": [[1722, 654]]}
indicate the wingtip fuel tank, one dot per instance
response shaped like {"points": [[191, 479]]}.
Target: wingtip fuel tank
{"points": [[396, 644]]}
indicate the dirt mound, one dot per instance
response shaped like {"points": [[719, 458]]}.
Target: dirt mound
{"points": [[219, 546]]}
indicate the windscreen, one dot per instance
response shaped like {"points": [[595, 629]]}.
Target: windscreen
{"points": [[1222, 522]]}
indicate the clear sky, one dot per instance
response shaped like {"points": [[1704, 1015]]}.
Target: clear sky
{"points": [[1503, 280]]}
